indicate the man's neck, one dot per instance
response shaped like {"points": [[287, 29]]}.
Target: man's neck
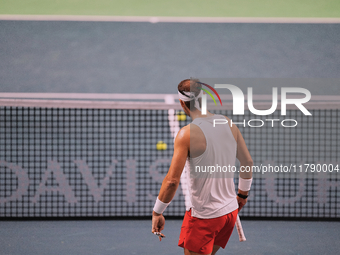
{"points": [[197, 114]]}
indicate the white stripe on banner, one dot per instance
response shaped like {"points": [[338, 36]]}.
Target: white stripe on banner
{"points": [[170, 19]]}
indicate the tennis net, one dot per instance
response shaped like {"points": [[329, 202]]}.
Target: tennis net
{"points": [[68, 155]]}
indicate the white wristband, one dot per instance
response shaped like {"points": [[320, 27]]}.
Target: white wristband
{"points": [[244, 184], [160, 206]]}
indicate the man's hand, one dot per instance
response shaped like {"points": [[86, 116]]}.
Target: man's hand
{"points": [[241, 202], [158, 223]]}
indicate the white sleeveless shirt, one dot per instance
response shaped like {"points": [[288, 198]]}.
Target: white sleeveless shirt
{"points": [[211, 189]]}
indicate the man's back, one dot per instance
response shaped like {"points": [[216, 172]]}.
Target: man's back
{"points": [[211, 196], [209, 168]]}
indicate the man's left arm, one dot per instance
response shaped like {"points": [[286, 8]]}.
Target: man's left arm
{"points": [[172, 179]]}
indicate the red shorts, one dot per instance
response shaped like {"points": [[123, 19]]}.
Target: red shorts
{"points": [[200, 235]]}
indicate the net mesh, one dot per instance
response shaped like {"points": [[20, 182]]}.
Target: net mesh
{"points": [[60, 162]]}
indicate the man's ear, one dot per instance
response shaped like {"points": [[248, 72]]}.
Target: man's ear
{"points": [[182, 103]]}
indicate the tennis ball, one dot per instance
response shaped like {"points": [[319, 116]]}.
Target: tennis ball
{"points": [[161, 146], [181, 116]]}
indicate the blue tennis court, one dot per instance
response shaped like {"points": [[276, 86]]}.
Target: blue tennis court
{"points": [[83, 105], [135, 237]]}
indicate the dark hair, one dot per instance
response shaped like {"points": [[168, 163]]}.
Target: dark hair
{"points": [[190, 85]]}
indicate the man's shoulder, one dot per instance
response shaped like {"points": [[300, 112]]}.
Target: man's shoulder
{"points": [[188, 127], [183, 137], [184, 131]]}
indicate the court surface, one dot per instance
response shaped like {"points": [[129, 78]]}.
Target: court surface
{"points": [[125, 57], [121, 57], [135, 237]]}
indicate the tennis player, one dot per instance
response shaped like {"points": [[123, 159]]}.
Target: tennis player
{"points": [[204, 149]]}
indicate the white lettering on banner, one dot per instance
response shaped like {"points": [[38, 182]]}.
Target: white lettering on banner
{"points": [[63, 186], [157, 176], [23, 182], [269, 185], [131, 180], [96, 190]]}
